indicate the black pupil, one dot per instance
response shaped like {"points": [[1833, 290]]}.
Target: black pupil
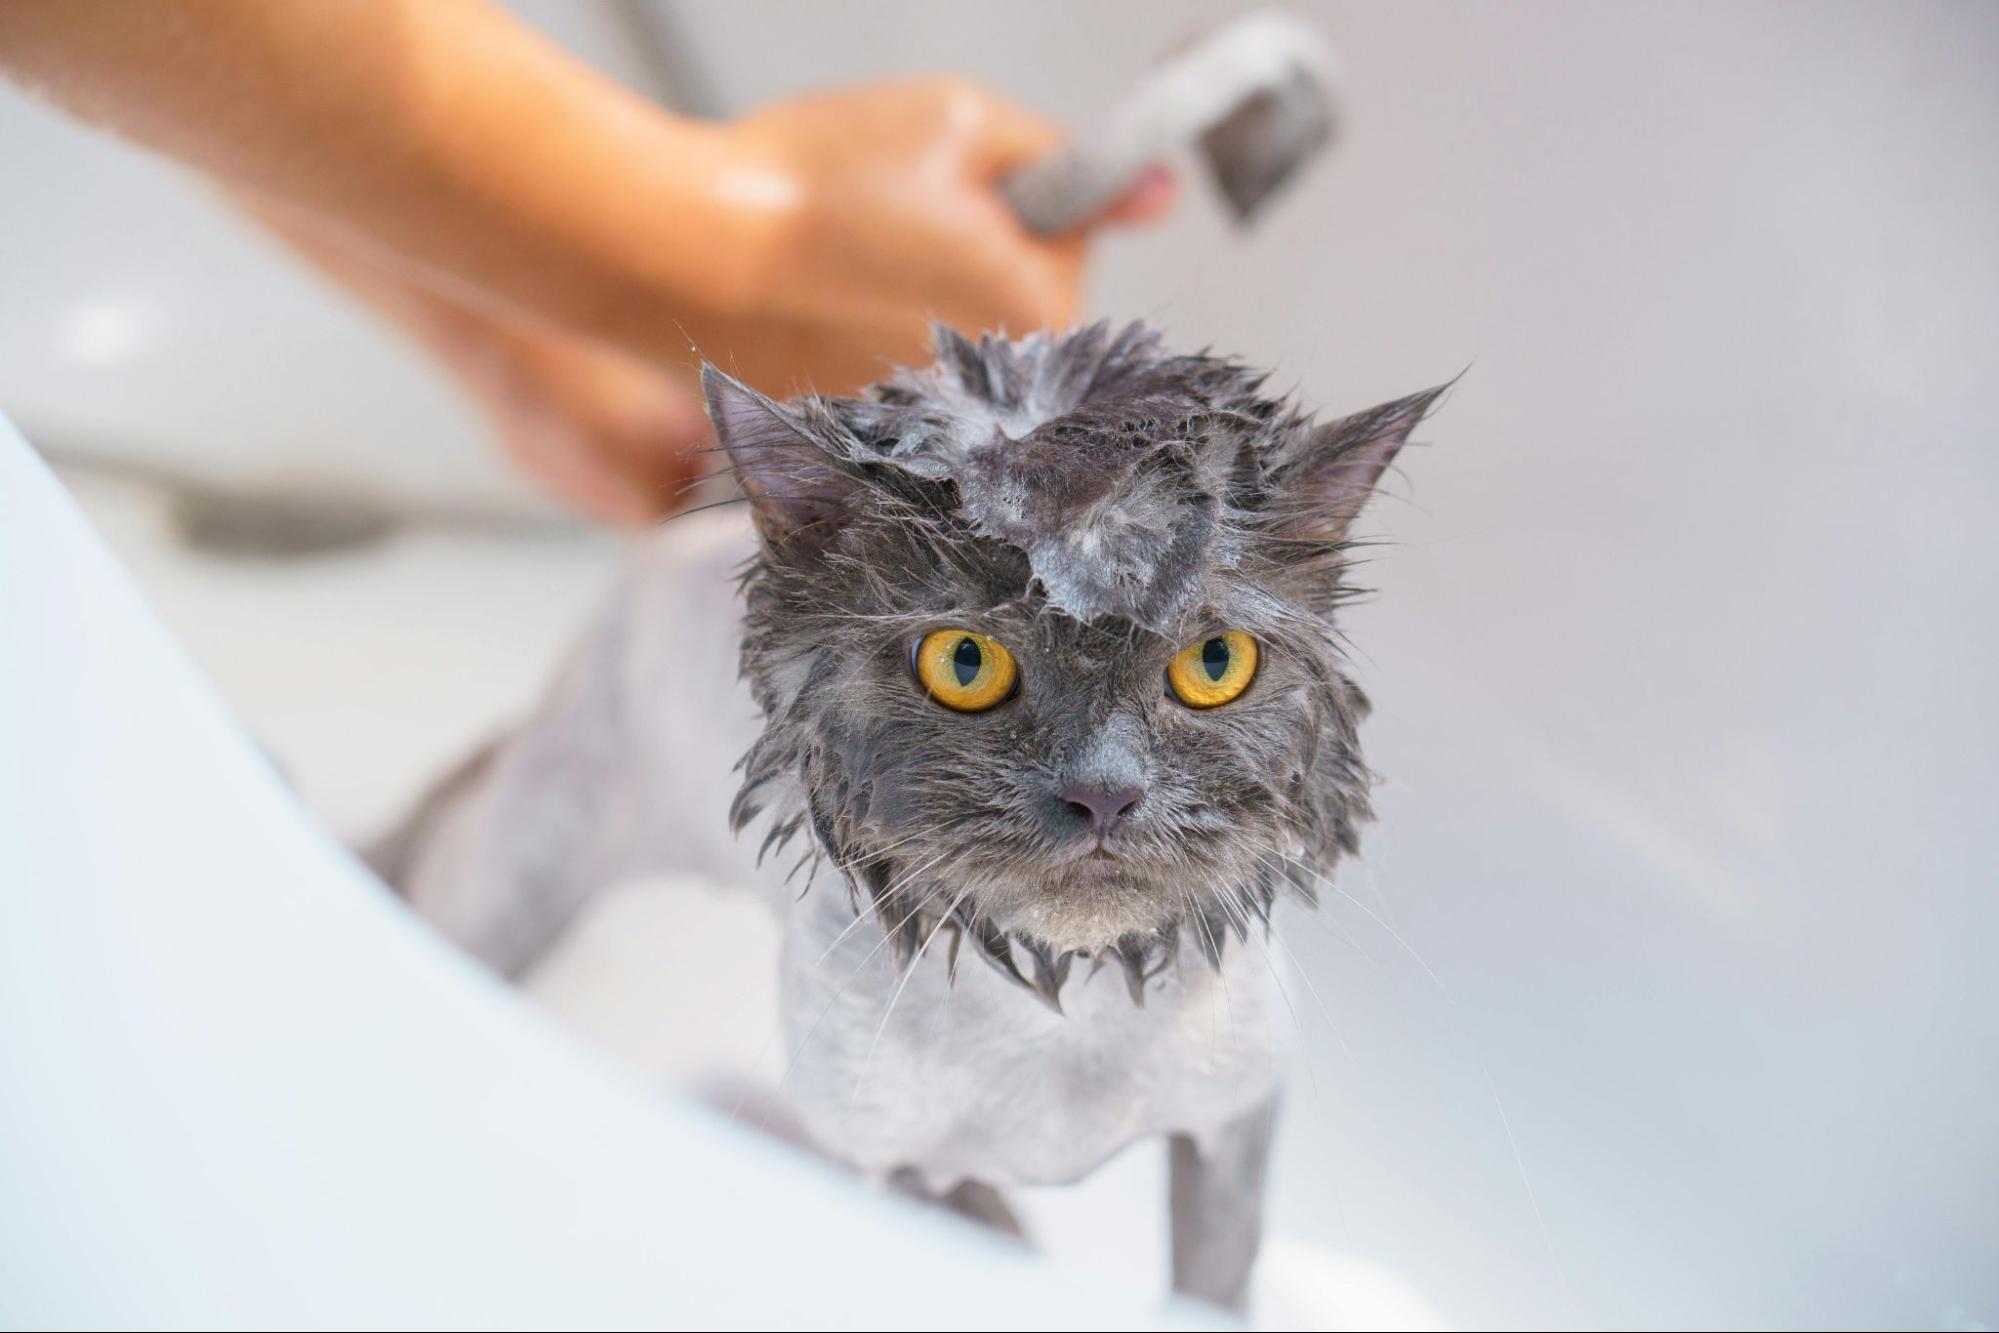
{"points": [[1215, 658], [967, 660]]}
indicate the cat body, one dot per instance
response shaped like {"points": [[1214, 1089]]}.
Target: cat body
{"points": [[624, 772], [962, 1081], [1045, 709]]}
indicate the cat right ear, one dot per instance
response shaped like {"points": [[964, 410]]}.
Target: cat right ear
{"points": [[792, 483]]}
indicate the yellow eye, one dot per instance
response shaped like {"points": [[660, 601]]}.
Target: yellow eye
{"points": [[1213, 671], [965, 671]]}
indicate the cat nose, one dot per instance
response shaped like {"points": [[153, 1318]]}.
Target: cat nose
{"points": [[1103, 807]]}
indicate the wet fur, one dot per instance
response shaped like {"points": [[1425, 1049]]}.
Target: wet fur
{"points": [[1096, 503]]}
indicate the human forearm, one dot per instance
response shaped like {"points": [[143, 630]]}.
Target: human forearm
{"points": [[439, 130]]}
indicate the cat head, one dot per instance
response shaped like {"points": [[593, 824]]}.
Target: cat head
{"points": [[1043, 637]]}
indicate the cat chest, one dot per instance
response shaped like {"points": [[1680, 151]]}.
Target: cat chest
{"points": [[893, 1067]]}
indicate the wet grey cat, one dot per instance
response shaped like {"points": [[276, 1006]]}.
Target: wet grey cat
{"points": [[1042, 646]]}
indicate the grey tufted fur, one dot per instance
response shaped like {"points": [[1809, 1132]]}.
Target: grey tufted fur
{"points": [[1096, 504]]}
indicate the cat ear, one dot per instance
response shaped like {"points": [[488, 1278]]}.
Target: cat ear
{"points": [[1333, 469], [792, 482]]}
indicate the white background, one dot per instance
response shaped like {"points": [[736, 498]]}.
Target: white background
{"points": [[1683, 656]]}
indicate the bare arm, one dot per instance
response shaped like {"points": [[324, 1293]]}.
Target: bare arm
{"points": [[438, 129], [448, 146], [597, 428]]}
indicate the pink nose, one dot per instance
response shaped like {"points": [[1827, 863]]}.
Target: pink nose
{"points": [[1103, 807]]}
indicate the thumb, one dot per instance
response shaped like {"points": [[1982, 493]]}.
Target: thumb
{"points": [[1010, 139], [1000, 136], [1150, 198]]}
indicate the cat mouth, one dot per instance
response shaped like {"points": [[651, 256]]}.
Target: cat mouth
{"points": [[1108, 859], [1094, 853], [1099, 865]]}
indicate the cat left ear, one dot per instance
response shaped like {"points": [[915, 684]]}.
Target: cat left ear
{"points": [[1333, 469], [792, 482]]}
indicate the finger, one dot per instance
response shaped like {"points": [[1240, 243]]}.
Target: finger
{"points": [[578, 478], [1041, 290], [1001, 136], [1149, 199]]}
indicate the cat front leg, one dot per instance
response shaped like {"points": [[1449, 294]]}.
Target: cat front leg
{"points": [[1216, 1191], [508, 849]]}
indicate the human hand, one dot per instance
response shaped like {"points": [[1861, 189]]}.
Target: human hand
{"points": [[868, 213], [564, 245], [879, 213], [873, 211], [596, 430], [861, 217]]}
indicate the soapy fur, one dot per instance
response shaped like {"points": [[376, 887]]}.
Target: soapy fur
{"points": [[1095, 503]]}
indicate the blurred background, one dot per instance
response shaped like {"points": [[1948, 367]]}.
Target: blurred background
{"points": [[1666, 993]]}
